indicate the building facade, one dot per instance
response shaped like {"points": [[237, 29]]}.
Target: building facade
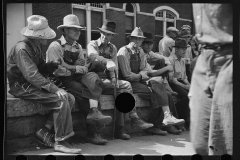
{"points": [[151, 17]]}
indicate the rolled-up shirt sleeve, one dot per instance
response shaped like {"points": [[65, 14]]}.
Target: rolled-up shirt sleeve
{"points": [[54, 52], [155, 57], [124, 65], [31, 72]]}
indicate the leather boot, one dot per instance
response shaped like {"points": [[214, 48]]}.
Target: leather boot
{"points": [[140, 124], [66, 147], [96, 139], [120, 134], [171, 130], [156, 131], [95, 116], [45, 136]]}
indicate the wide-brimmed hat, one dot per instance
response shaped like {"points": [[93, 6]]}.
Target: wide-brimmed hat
{"points": [[172, 29], [180, 43], [186, 27], [70, 20], [185, 33], [108, 27], [149, 37], [38, 28], [137, 32]]}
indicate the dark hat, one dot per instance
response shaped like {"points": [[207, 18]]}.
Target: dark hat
{"points": [[149, 37], [185, 33], [180, 43], [137, 32], [108, 27], [172, 29]]}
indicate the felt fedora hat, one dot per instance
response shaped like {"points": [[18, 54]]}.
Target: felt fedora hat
{"points": [[137, 32], [149, 37], [180, 43], [71, 21], [108, 27], [38, 28]]}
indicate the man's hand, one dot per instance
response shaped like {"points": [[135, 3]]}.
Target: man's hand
{"points": [[80, 62], [187, 87], [111, 66], [144, 77], [114, 81], [81, 69], [62, 94]]}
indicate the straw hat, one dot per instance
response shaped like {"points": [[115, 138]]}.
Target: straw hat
{"points": [[137, 32], [172, 29], [38, 28], [70, 20], [108, 27]]}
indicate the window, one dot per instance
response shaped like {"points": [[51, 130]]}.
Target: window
{"points": [[91, 15], [130, 19], [164, 19]]}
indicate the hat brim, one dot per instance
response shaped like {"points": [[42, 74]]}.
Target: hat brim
{"points": [[149, 40], [104, 30], [61, 27], [186, 36], [180, 47], [46, 33], [136, 36]]}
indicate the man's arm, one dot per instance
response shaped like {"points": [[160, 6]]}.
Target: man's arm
{"points": [[124, 66], [31, 72]]}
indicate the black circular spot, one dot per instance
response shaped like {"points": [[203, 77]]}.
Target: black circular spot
{"points": [[124, 102]]}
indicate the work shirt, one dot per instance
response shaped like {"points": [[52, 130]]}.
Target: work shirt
{"points": [[165, 46], [97, 52], [56, 50], [178, 67], [188, 54], [24, 66], [213, 23], [123, 57]]}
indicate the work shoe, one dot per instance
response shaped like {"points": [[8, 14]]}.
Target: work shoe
{"points": [[120, 134], [140, 124], [65, 147], [171, 130], [96, 139], [45, 136], [169, 119], [95, 116], [157, 131], [181, 127]]}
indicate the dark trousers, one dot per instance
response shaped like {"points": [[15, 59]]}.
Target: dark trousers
{"points": [[182, 105], [61, 117]]}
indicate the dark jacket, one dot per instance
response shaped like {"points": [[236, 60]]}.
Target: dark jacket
{"points": [[25, 65]]}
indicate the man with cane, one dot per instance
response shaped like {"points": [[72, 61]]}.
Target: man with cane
{"points": [[103, 61]]}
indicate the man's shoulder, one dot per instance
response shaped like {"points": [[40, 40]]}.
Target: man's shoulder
{"points": [[122, 50]]}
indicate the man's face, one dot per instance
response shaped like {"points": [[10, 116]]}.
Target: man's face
{"points": [[106, 37], [180, 51], [73, 33], [147, 46], [173, 35], [136, 41]]}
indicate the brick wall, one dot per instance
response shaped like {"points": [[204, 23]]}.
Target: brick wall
{"points": [[119, 18], [54, 12]]}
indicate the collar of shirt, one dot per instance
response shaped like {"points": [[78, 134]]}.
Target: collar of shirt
{"points": [[35, 48], [63, 42], [99, 43], [134, 50]]}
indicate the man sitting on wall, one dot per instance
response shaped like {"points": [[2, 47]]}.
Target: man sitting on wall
{"points": [[133, 68], [179, 82], [27, 70], [73, 74], [102, 53]]}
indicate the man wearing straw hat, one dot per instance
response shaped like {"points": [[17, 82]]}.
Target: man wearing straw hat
{"points": [[102, 53], [74, 75], [133, 68], [26, 71]]}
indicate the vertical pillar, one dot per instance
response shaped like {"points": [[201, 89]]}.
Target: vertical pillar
{"points": [[88, 18], [164, 24]]}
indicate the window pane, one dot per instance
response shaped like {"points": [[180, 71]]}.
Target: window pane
{"points": [[129, 24], [170, 24], [81, 14], [96, 19], [129, 7], [159, 28], [170, 15], [159, 14], [127, 41], [83, 38], [95, 35]]}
